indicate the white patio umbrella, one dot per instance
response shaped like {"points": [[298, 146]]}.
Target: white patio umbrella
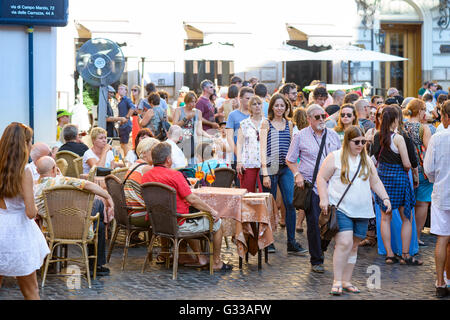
{"points": [[282, 53], [212, 51], [352, 53]]}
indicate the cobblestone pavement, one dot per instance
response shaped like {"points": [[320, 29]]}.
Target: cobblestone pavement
{"points": [[284, 277]]}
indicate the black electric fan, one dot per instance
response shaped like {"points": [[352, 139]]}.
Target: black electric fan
{"points": [[100, 62]]}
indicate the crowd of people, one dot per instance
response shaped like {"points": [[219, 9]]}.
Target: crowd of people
{"points": [[382, 162]]}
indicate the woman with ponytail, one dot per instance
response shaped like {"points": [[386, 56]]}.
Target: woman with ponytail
{"points": [[393, 165]]}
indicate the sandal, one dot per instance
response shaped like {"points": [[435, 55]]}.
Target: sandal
{"points": [[336, 290], [410, 261], [368, 242], [225, 267], [351, 288], [392, 260], [160, 259]]}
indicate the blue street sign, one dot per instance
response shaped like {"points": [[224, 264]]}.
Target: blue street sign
{"points": [[53, 13]]}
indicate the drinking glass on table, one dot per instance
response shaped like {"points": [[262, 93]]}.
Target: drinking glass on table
{"points": [[199, 175], [192, 181], [210, 178], [116, 153]]}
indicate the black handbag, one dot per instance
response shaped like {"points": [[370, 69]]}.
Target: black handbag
{"points": [[302, 197], [102, 172], [328, 223]]}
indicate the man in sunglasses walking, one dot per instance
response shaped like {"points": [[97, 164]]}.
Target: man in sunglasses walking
{"points": [[305, 146]]}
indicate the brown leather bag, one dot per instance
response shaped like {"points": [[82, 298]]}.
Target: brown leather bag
{"points": [[328, 223]]}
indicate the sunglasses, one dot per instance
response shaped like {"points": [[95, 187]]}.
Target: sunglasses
{"points": [[323, 116], [134, 89], [348, 115], [356, 142]]}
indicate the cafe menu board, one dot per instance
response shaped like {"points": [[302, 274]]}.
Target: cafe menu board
{"points": [[52, 13]]}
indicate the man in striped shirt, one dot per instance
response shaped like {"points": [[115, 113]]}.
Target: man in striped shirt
{"points": [[305, 146]]}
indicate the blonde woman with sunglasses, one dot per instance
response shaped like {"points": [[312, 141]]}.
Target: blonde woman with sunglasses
{"points": [[354, 209]]}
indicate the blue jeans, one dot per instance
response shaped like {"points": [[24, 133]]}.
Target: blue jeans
{"points": [[285, 179], [101, 245]]}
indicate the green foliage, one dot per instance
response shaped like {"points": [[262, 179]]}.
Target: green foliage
{"points": [[90, 95]]}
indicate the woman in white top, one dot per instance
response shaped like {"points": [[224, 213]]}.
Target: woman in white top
{"points": [[100, 154], [22, 245], [355, 209], [247, 150]]}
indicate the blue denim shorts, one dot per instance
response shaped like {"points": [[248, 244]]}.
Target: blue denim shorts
{"points": [[124, 133], [357, 225]]}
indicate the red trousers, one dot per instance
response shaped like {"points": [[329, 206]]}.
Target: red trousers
{"points": [[249, 179]]}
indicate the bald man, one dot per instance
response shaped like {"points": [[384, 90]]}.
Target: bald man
{"points": [[175, 135], [38, 150], [47, 170], [362, 111]]}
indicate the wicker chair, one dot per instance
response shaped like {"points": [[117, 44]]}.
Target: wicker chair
{"points": [[78, 163], [61, 163], [224, 177], [92, 173], [123, 220], [68, 219], [120, 173], [161, 204], [69, 156]]}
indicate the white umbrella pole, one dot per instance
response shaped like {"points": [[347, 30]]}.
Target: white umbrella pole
{"points": [[142, 78], [215, 73]]}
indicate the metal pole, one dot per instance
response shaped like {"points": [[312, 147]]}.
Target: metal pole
{"points": [[372, 78], [30, 31], [349, 73], [142, 78]]}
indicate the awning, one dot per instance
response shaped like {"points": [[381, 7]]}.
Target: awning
{"points": [[119, 31], [215, 31], [320, 34]]}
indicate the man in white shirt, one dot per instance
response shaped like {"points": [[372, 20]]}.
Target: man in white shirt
{"points": [[175, 135], [436, 166]]}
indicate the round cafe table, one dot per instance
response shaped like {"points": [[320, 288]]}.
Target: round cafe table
{"points": [[250, 217]]}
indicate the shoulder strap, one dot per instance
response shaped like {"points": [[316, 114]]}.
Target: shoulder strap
{"points": [[319, 156], [350, 184], [139, 165], [421, 130]]}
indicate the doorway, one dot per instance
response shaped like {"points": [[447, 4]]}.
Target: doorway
{"points": [[402, 40]]}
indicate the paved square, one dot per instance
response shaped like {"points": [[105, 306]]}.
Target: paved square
{"points": [[285, 278]]}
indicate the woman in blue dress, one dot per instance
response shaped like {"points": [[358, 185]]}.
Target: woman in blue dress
{"points": [[420, 135]]}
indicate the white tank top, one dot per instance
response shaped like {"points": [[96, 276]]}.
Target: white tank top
{"points": [[393, 147], [357, 202]]}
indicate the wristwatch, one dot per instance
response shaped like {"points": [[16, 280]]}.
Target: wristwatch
{"points": [[296, 174], [185, 119]]}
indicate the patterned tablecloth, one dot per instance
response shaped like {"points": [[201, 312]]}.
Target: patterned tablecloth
{"points": [[238, 210], [98, 180]]}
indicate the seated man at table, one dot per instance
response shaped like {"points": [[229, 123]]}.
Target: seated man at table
{"points": [[161, 172], [73, 142], [47, 169]]}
